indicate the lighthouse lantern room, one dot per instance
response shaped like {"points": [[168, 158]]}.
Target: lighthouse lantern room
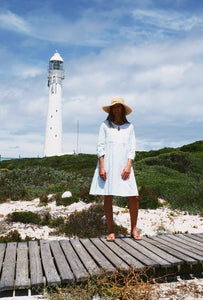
{"points": [[53, 135]]}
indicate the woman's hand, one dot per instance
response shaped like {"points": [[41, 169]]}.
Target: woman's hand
{"points": [[126, 171], [102, 174], [102, 171]]}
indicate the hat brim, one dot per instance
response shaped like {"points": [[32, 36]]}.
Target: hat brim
{"points": [[128, 110]]}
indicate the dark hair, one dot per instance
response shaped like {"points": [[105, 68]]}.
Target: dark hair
{"points": [[110, 117]]}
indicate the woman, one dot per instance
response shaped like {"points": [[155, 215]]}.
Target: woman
{"points": [[114, 174]]}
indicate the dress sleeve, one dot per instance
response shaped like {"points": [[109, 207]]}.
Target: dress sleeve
{"points": [[131, 154], [101, 141]]}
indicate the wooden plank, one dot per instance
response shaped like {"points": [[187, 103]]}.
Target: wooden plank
{"points": [[8, 272], [87, 260], [146, 256], [22, 280], [166, 246], [178, 246], [50, 271], [74, 261], [196, 244], [147, 242], [102, 261], [187, 244], [61, 262], [2, 251], [195, 237], [36, 274], [199, 234], [125, 252], [110, 255]]}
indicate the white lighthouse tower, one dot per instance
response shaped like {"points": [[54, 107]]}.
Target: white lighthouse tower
{"points": [[53, 136]]}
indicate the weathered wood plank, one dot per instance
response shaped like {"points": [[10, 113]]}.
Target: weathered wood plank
{"points": [[102, 261], [74, 261], [147, 242], [195, 243], [8, 272], [22, 280], [36, 273], [196, 237], [52, 276], [146, 256], [111, 256], [189, 245], [61, 262], [166, 246], [124, 251], [87, 260], [178, 246], [2, 251]]}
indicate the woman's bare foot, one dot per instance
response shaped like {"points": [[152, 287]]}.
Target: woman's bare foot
{"points": [[111, 237], [136, 235]]}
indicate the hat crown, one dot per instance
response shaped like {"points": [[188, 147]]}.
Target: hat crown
{"points": [[116, 100]]}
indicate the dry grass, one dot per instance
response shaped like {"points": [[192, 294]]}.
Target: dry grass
{"points": [[130, 286], [117, 285]]}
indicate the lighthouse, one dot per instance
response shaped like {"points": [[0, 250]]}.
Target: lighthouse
{"points": [[53, 135]]}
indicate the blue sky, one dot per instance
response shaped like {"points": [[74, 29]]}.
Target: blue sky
{"points": [[150, 52]]}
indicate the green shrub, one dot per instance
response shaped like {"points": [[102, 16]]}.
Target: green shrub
{"points": [[44, 199], [24, 217], [59, 221], [89, 223], [121, 201], [23, 184], [194, 147], [34, 218], [46, 219], [175, 160], [181, 191], [67, 200], [147, 199], [12, 236]]}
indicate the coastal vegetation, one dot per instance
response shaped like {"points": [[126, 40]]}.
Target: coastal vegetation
{"points": [[173, 174]]}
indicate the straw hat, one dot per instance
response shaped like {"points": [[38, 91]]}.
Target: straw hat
{"points": [[116, 100]]}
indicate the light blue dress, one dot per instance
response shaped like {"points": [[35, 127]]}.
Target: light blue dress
{"points": [[117, 146]]}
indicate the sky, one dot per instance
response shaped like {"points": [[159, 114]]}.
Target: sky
{"points": [[150, 52]]}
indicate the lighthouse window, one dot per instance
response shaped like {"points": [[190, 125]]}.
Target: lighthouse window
{"points": [[51, 116], [51, 128], [56, 110], [56, 65], [55, 135]]}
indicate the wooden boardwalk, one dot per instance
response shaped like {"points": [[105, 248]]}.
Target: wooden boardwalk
{"points": [[33, 264]]}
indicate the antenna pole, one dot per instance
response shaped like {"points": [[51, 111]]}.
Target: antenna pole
{"points": [[77, 136]]}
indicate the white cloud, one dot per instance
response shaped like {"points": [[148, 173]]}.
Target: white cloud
{"points": [[167, 19], [13, 22]]}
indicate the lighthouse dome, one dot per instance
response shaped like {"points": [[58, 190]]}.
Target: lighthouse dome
{"points": [[56, 57]]}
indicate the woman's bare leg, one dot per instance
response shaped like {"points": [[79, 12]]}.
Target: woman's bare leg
{"points": [[108, 210], [134, 206]]}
